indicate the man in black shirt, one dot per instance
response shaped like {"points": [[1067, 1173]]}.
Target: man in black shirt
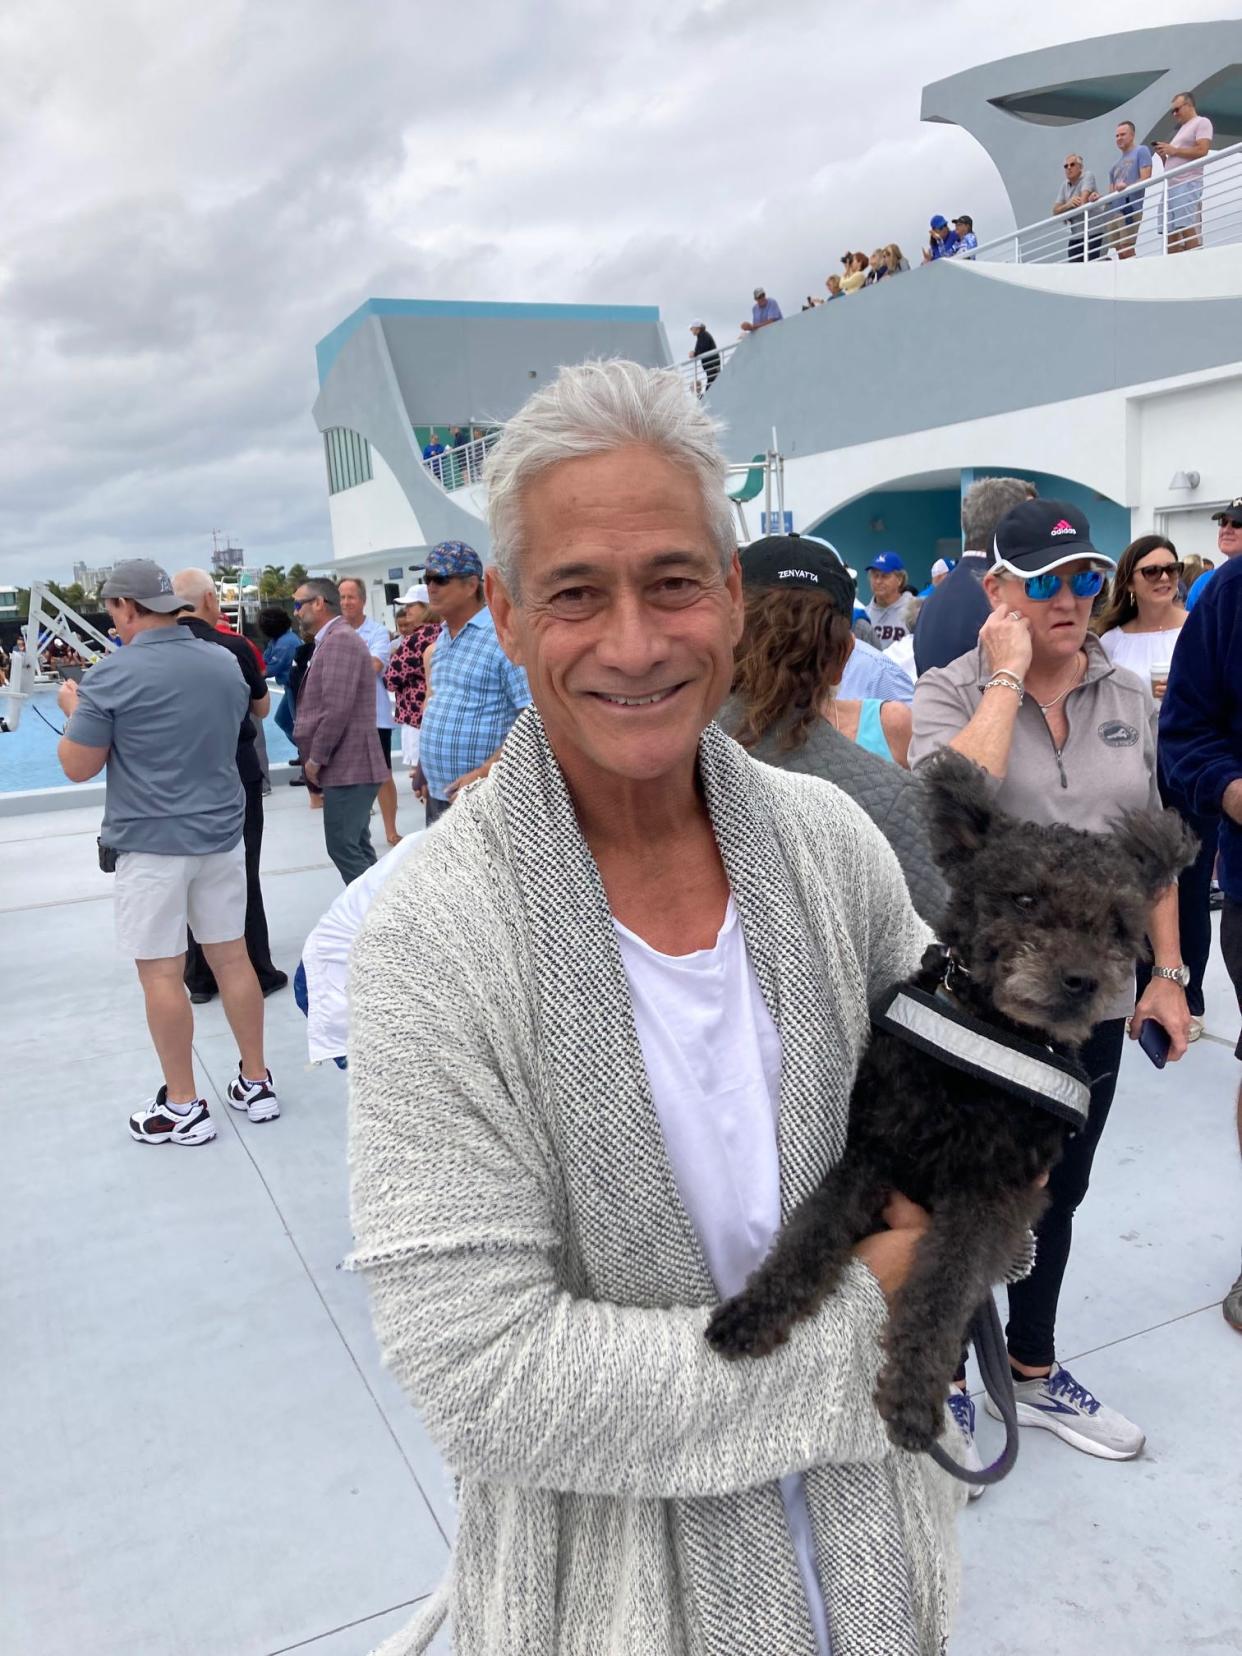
{"points": [[198, 588], [705, 347], [950, 617]]}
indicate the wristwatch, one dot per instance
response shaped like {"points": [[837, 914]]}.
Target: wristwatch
{"points": [[1175, 974]]}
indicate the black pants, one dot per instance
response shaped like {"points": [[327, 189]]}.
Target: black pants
{"points": [[1031, 1331], [199, 977], [1095, 247], [436, 809], [1194, 914]]}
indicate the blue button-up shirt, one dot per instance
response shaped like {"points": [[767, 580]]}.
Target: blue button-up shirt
{"points": [[476, 693], [769, 311]]}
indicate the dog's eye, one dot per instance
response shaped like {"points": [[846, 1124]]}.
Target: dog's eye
{"points": [[1024, 901]]}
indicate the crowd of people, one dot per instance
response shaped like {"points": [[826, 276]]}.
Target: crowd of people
{"points": [[1115, 227], [644, 954]]}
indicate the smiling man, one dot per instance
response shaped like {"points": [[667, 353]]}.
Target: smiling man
{"points": [[641, 962]]}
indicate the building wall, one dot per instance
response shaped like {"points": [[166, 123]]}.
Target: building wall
{"points": [[372, 516], [917, 523]]}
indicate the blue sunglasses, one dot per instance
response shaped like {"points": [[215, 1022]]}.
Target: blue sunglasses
{"points": [[1085, 584]]}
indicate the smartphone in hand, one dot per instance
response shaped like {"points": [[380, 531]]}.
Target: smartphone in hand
{"points": [[1154, 1039]]}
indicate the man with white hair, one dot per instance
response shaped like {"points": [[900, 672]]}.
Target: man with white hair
{"points": [[641, 961], [1078, 190], [198, 588]]}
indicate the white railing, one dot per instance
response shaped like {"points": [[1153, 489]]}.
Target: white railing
{"points": [[1157, 217], [457, 467], [699, 372]]}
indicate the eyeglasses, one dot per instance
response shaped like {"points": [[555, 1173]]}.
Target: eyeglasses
{"points": [[1086, 584], [1157, 572]]}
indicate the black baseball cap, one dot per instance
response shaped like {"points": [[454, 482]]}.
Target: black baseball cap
{"points": [[798, 561], [1038, 535], [1230, 514]]}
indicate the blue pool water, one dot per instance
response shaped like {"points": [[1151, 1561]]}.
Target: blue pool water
{"points": [[28, 754]]}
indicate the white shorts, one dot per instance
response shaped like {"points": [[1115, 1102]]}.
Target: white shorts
{"points": [[157, 897], [409, 745]]}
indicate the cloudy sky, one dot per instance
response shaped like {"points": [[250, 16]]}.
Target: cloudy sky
{"points": [[191, 197]]}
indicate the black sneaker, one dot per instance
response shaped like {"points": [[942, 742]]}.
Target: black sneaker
{"points": [[157, 1124], [257, 1098], [276, 980]]}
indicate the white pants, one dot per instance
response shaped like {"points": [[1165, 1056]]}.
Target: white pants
{"points": [[157, 897], [409, 745]]}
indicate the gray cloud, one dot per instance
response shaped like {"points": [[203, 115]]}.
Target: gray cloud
{"points": [[191, 202]]}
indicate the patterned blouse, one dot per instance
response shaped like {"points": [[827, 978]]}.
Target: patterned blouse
{"points": [[405, 676]]}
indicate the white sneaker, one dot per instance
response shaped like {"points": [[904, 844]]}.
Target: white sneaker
{"points": [[157, 1124], [962, 1408], [257, 1098], [1059, 1404]]}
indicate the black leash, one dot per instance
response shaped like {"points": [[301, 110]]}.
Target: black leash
{"points": [[988, 1338]]}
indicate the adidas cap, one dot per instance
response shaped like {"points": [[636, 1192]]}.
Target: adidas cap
{"points": [[1038, 535]]}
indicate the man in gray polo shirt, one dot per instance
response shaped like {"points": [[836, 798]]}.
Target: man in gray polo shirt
{"points": [[162, 715]]}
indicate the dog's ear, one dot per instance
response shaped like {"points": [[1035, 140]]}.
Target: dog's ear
{"points": [[959, 807], [1159, 844]]}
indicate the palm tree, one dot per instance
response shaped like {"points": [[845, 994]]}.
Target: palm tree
{"points": [[272, 582]]}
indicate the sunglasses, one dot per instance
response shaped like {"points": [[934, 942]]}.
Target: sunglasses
{"points": [[438, 580], [1229, 523], [1157, 572], [1086, 584]]}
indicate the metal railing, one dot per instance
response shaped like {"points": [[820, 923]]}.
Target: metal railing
{"points": [[700, 372], [1195, 204], [459, 466]]}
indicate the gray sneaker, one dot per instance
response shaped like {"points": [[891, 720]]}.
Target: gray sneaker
{"points": [[1232, 1306], [1059, 1404]]}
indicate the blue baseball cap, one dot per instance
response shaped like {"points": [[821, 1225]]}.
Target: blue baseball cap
{"points": [[940, 222], [888, 563], [452, 558]]}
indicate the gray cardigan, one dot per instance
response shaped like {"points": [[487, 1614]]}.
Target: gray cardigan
{"points": [[537, 1285]]}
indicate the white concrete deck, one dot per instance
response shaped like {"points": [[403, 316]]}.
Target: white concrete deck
{"points": [[203, 1457]]}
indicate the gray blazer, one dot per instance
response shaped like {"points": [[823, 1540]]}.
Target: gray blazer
{"points": [[891, 797]]}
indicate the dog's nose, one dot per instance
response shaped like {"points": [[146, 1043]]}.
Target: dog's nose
{"points": [[1077, 985]]}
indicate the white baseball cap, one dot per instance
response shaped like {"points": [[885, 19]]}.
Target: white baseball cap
{"points": [[416, 595], [940, 567]]}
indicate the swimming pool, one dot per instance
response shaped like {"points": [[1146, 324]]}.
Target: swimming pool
{"points": [[28, 754]]}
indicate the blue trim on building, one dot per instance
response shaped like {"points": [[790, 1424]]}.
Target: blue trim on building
{"points": [[329, 347]]}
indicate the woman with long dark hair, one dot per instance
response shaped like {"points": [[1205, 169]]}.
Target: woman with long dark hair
{"points": [[1144, 614], [1139, 628], [784, 708]]}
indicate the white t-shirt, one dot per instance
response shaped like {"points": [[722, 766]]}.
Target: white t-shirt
{"points": [[713, 1059], [888, 621], [1140, 652]]}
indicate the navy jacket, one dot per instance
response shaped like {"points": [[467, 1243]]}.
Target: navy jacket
{"points": [[949, 621], [1200, 750]]}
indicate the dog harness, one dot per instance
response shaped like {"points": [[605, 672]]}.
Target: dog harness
{"points": [[938, 1026]]}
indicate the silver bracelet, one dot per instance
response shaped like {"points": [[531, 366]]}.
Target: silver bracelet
{"points": [[1005, 680]]}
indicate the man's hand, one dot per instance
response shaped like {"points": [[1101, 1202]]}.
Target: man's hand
{"points": [[476, 775], [310, 770], [1231, 802], [889, 1254], [1165, 1001], [419, 784], [67, 698]]}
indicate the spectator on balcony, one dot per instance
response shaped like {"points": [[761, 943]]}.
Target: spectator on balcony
{"points": [[1132, 166], [1191, 142], [1078, 191], [877, 267], [433, 455], [833, 285], [856, 276], [455, 465], [706, 349], [943, 242], [964, 230], [763, 313], [896, 259]]}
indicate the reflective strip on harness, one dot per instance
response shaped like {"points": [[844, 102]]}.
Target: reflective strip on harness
{"points": [[968, 1044]]}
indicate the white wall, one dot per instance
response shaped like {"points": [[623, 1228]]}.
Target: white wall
{"points": [[372, 516]]}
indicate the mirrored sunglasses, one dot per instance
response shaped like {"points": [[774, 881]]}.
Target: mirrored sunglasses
{"points": [[1086, 584]]}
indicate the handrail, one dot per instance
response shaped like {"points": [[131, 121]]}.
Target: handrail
{"points": [[458, 467], [1009, 248], [694, 374]]}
